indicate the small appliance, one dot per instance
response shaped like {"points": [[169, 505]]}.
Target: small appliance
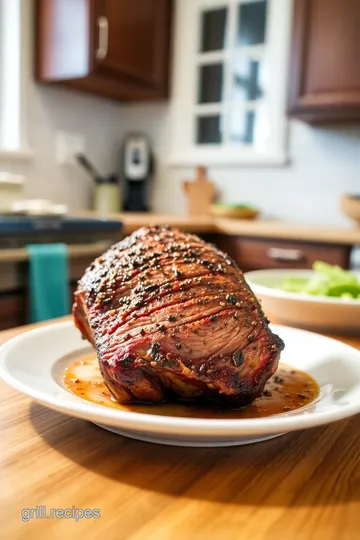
{"points": [[138, 168]]}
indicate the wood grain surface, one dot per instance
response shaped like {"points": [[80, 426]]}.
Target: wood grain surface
{"points": [[241, 227], [200, 193], [302, 486]]}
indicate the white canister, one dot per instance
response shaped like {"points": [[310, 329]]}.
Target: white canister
{"points": [[11, 190]]}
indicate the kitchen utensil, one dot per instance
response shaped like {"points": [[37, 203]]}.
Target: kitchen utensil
{"points": [[107, 189], [200, 193], [350, 205], [107, 195]]}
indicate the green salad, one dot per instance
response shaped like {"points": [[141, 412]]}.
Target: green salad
{"points": [[328, 280]]}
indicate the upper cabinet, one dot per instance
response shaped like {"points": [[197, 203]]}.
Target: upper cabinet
{"points": [[325, 61], [118, 49], [230, 82]]}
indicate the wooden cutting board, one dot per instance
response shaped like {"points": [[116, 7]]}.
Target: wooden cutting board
{"points": [[200, 193]]}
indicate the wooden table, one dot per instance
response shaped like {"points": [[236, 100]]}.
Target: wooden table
{"points": [[302, 486]]}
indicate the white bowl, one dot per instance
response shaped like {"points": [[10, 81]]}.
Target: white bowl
{"points": [[303, 310]]}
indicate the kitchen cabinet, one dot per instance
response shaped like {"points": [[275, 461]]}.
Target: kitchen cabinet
{"points": [[118, 49], [13, 309], [325, 61], [258, 253], [14, 292]]}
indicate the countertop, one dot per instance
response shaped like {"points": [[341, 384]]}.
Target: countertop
{"points": [[301, 486], [256, 228]]}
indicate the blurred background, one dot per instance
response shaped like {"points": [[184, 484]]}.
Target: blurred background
{"points": [[238, 120]]}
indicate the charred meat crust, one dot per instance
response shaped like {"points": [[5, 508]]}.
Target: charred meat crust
{"points": [[171, 315]]}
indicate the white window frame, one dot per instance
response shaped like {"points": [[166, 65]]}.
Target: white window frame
{"points": [[15, 16], [185, 152]]}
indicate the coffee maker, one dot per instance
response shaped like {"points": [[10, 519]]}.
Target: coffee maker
{"points": [[138, 166]]}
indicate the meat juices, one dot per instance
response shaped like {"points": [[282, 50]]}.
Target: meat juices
{"points": [[287, 391], [171, 316]]}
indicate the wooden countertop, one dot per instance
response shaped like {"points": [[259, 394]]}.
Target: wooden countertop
{"points": [[257, 228], [289, 231], [133, 221], [300, 486]]}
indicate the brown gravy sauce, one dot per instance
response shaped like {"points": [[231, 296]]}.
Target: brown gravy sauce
{"points": [[286, 391]]}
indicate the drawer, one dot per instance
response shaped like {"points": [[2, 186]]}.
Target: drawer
{"points": [[13, 310], [253, 253]]}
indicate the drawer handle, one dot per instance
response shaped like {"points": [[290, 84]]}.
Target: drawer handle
{"points": [[102, 50], [283, 254]]}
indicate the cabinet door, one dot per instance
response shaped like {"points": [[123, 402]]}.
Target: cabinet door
{"points": [[325, 63], [133, 42], [258, 253], [13, 310]]}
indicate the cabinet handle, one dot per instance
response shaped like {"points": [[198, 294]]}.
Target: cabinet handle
{"points": [[102, 50], [283, 254]]}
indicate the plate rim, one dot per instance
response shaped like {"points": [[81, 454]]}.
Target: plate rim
{"points": [[158, 424]]}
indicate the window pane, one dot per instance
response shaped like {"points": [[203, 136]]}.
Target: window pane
{"points": [[246, 79], [210, 83], [209, 130], [251, 23], [213, 30], [242, 125]]}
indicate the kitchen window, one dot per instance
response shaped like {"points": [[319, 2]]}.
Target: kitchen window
{"points": [[230, 82], [12, 15]]}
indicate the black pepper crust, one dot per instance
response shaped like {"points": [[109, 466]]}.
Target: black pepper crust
{"points": [[169, 313]]}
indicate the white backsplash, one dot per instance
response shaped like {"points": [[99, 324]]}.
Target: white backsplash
{"points": [[324, 162]]}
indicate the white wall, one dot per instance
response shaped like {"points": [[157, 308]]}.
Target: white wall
{"points": [[53, 110], [49, 110], [324, 162]]}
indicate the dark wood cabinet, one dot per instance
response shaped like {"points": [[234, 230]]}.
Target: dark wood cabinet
{"points": [[118, 49], [13, 309], [325, 61], [14, 289], [259, 253]]}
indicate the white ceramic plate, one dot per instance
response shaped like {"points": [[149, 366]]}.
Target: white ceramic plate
{"points": [[303, 310], [34, 362]]}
